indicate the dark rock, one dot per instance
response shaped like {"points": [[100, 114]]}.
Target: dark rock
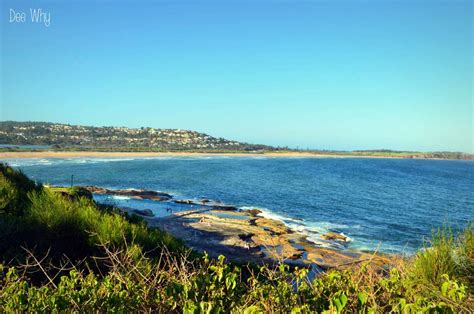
{"points": [[334, 236], [224, 207], [296, 256], [140, 194], [246, 236], [253, 212], [96, 190], [144, 212], [188, 202]]}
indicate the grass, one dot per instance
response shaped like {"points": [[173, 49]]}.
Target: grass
{"points": [[62, 252], [446, 255], [72, 192], [66, 222]]}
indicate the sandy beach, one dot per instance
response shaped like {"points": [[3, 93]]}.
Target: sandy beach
{"points": [[64, 154]]}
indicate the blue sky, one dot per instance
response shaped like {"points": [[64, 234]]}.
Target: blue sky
{"points": [[316, 74]]}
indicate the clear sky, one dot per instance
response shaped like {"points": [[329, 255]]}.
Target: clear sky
{"points": [[318, 74]]}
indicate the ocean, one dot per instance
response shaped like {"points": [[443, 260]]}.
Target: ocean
{"points": [[389, 205]]}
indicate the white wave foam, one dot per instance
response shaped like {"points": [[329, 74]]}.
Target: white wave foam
{"points": [[28, 162], [267, 213], [53, 161], [312, 230], [95, 160], [327, 226], [120, 197], [348, 239], [368, 245], [316, 239]]}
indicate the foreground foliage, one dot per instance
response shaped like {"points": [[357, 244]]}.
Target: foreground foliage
{"points": [[65, 253]]}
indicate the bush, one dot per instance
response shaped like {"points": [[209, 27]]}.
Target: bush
{"points": [[135, 283]]}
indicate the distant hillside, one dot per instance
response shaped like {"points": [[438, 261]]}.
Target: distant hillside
{"points": [[87, 138], [65, 135]]}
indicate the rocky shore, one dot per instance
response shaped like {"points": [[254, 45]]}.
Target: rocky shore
{"points": [[132, 193], [243, 235]]}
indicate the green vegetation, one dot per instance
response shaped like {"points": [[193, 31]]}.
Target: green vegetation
{"points": [[129, 149], [64, 221], [446, 255], [62, 252], [76, 138], [75, 192], [61, 136]]}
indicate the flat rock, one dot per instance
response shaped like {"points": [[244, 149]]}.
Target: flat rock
{"points": [[132, 193], [334, 236], [259, 240], [253, 212], [224, 207], [241, 237]]}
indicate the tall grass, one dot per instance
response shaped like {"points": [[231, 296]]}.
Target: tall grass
{"points": [[445, 255], [74, 227], [436, 259], [465, 257], [14, 186]]}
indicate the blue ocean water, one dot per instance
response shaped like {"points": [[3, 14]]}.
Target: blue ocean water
{"points": [[387, 204]]}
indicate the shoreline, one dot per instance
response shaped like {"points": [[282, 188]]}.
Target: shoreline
{"points": [[242, 235], [96, 154]]}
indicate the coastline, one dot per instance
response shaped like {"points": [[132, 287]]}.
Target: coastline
{"points": [[241, 234], [92, 154]]}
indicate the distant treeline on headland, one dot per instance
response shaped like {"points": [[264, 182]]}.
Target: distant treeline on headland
{"points": [[40, 136], [115, 138]]}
